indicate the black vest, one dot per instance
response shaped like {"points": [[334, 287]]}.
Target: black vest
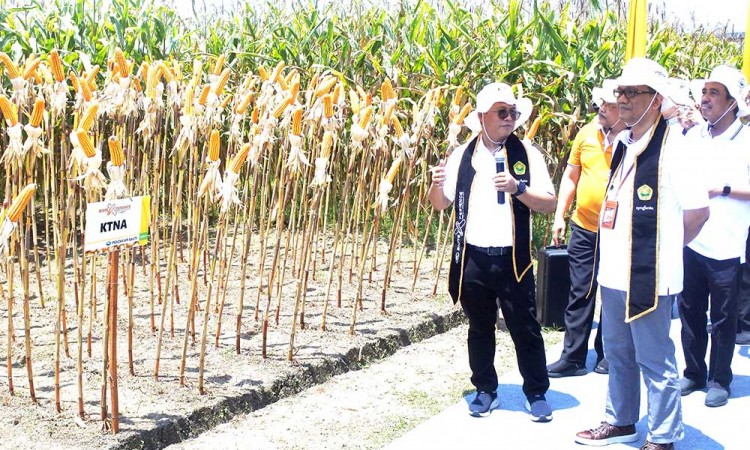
{"points": [[518, 165]]}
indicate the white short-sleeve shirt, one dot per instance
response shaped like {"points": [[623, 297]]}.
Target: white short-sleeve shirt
{"points": [[727, 163], [680, 189], [488, 223]]}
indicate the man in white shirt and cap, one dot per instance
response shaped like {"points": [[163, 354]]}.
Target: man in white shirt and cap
{"points": [[491, 258], [654, 205], [712, 260]]}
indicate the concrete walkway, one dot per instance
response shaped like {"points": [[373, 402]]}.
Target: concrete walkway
{"points": [[578, 404]]}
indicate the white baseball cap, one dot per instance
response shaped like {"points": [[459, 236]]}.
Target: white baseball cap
{"points": [[498, 93]]}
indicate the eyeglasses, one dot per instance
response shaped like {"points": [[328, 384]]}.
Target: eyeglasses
{"points": [[504, 113], [630, 93]]}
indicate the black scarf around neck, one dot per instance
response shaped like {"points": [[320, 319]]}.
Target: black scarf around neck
{"points": [[518, 167], [643, 291]]}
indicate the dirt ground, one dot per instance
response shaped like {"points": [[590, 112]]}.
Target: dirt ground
{"points": [[156, 413]]}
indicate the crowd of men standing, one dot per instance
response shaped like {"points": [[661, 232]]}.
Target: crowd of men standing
{"points": [[661, 184]]}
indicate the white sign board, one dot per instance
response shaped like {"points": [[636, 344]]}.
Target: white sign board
{"points": [[117, 222]]}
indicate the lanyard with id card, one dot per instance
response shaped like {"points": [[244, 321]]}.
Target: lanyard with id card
{"points": [[609, 212]]}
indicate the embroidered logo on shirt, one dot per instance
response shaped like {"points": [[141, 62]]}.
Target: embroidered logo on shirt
{"points": [[519, 168], [645, 193]]}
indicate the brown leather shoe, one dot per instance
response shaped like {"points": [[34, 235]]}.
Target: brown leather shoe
{"points": [[653, 446], [607, 434]]}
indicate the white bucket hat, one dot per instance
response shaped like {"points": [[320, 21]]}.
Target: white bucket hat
{"points": [[733, 79], [600, 95], [643, 71], [498, 93]]}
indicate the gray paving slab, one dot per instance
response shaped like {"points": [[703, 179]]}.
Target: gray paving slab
{"points": [[578, 404]]}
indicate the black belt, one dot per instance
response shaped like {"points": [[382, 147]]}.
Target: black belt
{"points": [[491, 251]]}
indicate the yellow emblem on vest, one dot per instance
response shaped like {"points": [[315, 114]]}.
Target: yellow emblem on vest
{"points": [[645, 193], [519, 168]]}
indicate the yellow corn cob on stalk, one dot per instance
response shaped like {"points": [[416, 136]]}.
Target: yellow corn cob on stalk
{"points": [[37, 112], [457, 96], [337, 93], [397, 127], [221, 82], [91, 77], [255, 117], [226, 101], [244, 103], [362, 94], [122, 63], [19, 203], [152, 80], [386, 90], [115, 151], [328, 106], [326, 145], [368, 99], [533, 128], [282, 83], [74, 81], [86, 144], [29, 70], [276, 74], [143, 70], [393, 170], [55, 64], [214, 145], [137, 85], [313, 81], [297, 121], [197, 70], [189, 97], [289, 78], [364, 118], [166, 72], [219, 64], [294, 86], [89, 116], [85, 89], [9, 111], [239, 159], [263, 73], [10, 66], [354, 101], [203, 99], [282, 106], [325, 86], [388, 112], [459, 119]]}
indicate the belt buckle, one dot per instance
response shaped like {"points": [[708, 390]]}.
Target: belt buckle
{"points": [[496, 251]]}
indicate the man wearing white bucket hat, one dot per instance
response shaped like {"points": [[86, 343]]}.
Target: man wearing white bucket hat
{"points": [[491, 257], [712, 260], [654, 204], [585, 177]]}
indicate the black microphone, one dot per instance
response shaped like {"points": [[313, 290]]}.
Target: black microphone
{"points": [[500, 166]]}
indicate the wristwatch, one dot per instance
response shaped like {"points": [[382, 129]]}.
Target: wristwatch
{"points": [[521, 188], [725, 192]]}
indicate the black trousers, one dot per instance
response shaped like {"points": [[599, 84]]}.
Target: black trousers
{"points": [[486, 279], [579, 314], [704, 277], [743, 293]]}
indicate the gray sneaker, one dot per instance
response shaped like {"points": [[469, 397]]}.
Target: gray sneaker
{"points": [[717, 395], [539, 408], [688, 386]]}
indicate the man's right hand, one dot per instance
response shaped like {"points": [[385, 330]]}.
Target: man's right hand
{"points": [[438, 174], [558, 231]]}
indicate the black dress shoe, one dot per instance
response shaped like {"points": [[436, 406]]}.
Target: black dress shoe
{"points": [[602, 367], [743, 338], [564, 368]]}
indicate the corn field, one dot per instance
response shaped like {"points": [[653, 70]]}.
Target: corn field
{"points": [[274, 144]]}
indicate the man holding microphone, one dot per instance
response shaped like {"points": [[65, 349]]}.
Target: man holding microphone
{"points": [[491, 256]]}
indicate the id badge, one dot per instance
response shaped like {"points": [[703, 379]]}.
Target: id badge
{"points": [[609, 214]]}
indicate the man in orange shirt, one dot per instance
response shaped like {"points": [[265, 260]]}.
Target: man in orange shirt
{"points": [[585, 178]]}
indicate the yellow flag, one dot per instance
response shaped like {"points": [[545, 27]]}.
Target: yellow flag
{"points": [[637, 23], [746, 54]]}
